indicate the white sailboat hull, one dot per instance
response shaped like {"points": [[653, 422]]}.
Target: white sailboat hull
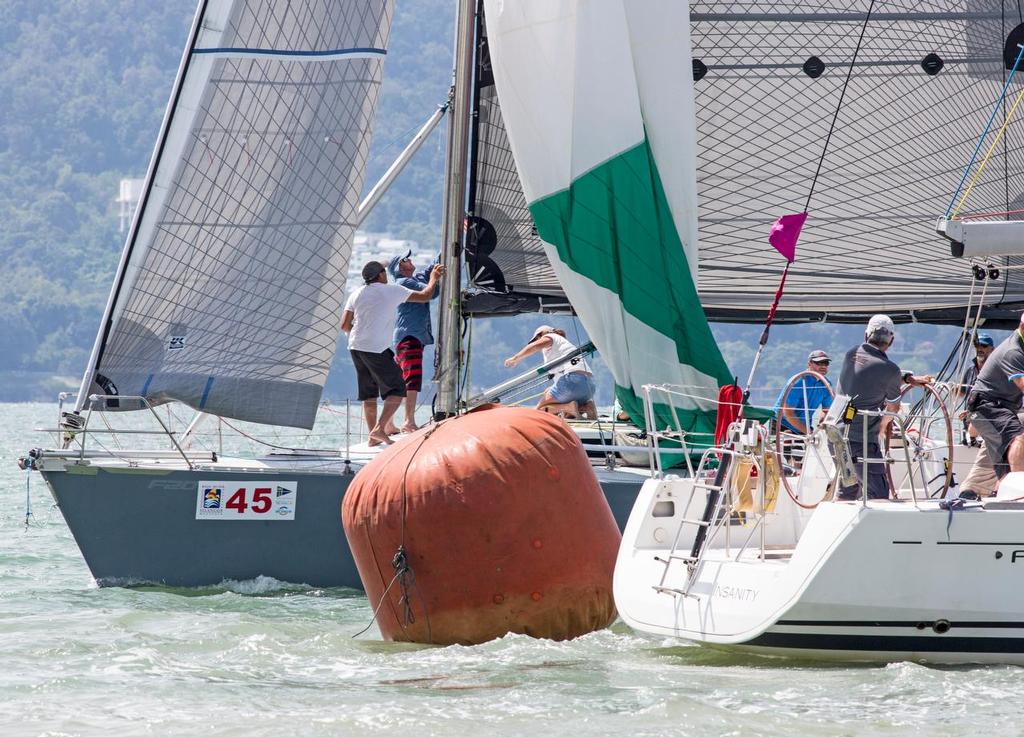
{"points": [[885, 581]]}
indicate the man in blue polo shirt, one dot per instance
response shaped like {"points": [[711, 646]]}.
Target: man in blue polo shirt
{"points": [[796, 410], [412, 333]]}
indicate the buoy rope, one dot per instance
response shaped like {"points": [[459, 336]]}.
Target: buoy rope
{"points": [[403, 570], [406, 581], [377, 608], [404, 574]]}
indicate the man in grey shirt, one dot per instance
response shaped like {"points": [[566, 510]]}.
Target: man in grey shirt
{"points": [[872, 382], [995, 401]]}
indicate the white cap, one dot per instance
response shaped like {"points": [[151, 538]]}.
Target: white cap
{"points": [[540, 331], [880, 324]]}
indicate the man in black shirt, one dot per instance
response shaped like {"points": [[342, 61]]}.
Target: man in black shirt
{"points": [[995, 400], [872, 382]]}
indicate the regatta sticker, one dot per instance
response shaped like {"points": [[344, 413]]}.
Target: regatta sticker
{"points": [[176, 343], [267, 500]]}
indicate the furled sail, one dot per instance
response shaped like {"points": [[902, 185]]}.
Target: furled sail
{"points": [[508, 270], [230, 290], [768, 80], [601, 125]]}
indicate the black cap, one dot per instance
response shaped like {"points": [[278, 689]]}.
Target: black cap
{"points": [[372, 270]]}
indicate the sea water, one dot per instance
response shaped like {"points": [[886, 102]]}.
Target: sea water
{"points": [[256, 658]]}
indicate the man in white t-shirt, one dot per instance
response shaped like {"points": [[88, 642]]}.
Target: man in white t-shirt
{"points": [[369, 320]]}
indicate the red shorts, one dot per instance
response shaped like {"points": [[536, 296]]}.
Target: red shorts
{"points": [[409, 356]]}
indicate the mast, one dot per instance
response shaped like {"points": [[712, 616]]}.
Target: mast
{"points": [[447, 359]]}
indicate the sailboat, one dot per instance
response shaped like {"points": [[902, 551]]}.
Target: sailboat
{"points": [[228, 294], [782, 569]]}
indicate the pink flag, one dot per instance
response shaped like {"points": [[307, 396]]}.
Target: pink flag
{"points": [[785, 233]]}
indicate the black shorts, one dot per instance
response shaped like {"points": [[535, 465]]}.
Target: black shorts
{"points": [[998, 426], [378, 374]]}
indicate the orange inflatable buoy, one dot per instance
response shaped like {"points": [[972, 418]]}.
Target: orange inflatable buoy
{"points": [[482, 525]]}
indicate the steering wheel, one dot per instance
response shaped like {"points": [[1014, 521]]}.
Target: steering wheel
{"points": [[782, 436], [919, 426]]}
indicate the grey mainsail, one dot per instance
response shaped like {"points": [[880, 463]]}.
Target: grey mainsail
{"points": [[768, 78], [230, 290]]}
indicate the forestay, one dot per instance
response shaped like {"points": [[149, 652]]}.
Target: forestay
{"points": [[230, 290], [601, 125]]}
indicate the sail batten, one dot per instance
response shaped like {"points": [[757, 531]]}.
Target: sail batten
{"points": [[231, 293]]}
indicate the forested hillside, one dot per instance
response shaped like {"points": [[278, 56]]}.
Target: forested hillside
{"points": [[84, 84]]}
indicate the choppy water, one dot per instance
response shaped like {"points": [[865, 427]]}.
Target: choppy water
{"points": [[258, 658]]}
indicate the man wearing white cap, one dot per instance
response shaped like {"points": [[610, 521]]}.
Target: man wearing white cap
{"points": [[995, 400], [574, 382], [872, 382]]}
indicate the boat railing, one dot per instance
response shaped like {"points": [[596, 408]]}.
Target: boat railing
{"points": [[723, 476], [744, 480], [73, 431], [78, 435], [665, 406]]}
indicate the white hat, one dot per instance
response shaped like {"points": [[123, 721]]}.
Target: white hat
{"points": [[540, 331], [879, 324]]}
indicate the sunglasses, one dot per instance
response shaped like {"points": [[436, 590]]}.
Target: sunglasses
{"points": [[822, 363]]}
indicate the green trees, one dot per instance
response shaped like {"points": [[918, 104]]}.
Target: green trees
{"points": [[85, 84]]}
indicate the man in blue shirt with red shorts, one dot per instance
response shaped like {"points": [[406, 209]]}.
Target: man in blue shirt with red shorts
{"points": [[412, 333]]}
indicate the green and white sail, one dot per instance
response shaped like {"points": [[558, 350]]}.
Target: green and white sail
{"points": [[597, 99]]}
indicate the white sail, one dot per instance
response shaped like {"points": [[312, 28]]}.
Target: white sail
{"points": [[230, 290], [602, 127]]}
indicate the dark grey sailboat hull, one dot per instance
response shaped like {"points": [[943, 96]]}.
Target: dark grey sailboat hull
{"points": [[139, 526]]}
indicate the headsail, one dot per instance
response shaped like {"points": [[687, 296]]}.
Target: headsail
{"points": [[601, 124], [230, 290], [507, 268]]}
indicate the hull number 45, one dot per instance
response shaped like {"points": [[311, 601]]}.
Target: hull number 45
{"points": [[231, 500]]}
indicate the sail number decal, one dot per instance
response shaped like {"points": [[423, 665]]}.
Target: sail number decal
{"points": [[230, 500]]}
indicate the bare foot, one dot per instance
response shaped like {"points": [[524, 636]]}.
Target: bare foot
{"points": [[391, 430], [381, 439], [410, 427]]}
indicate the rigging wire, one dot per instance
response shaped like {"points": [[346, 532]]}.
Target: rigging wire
{"points": [[763, 341], [981, 140], [839, 105], [999, 136]]}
